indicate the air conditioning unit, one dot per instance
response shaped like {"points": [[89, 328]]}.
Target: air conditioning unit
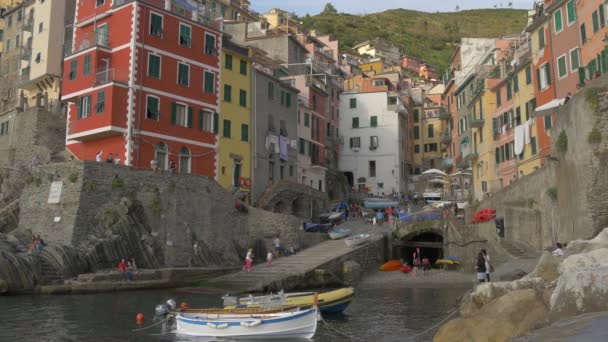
{"points": [[356, 149]]}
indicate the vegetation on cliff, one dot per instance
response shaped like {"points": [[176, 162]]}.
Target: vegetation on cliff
{"points": [[430, 36]]}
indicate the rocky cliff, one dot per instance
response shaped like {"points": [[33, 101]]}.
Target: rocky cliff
{"points": [[104, 212]]}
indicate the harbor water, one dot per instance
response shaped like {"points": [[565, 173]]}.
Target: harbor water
{"points": [[378, 313]]}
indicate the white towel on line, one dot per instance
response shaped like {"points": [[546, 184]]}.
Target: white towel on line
{"points": [[527, 132], [519, 139]]}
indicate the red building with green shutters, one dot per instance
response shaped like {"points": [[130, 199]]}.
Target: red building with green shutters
{"points": [[141, 78]]}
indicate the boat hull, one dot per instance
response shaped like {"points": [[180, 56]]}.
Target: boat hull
{"points": [[356, 240], [332, 302], [339, 234], [300, 324]]}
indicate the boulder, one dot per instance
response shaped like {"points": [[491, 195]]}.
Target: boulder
{"points": [[582, 286], [582, 246], [547, 268], [511, 315], [487, 292], [513, 275]]}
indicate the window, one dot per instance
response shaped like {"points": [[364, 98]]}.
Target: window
{"points": [[227, 93], [216, 123], [533, 144], [497, 155], [509, 91], [498, 97], [602, 16], [430, 131], [183, 74], [84, 106], [574, 60], [372, 168], [515, 84], [209, 44], [243, 68], [583, 34], [102, 35], [301, 146], [282, 97], [548, 122], [544, 76], [373, 121], [10, 21], [223, 11], [152, 107], [288, 100], [227, 125], [73, 69], [416, 132], [8, 45], [181, 115], [40, 27], [101, 102], [596, 24], [19, 14], [185, 35], [86, 68], [541, 38], [156, 25], [557, 21], [4, 128], [518, 116], [571, 11], [355, 122], [528, 74], [373, 142], [562, 70], [242, 98], [154, 66], [353, 103], [416, 115], [228, 62], [244, 132], [99, 3], [204, 121], [355, 142], [416, 148], [306, 120], [184, 160], [209, 82], [270, 90]]}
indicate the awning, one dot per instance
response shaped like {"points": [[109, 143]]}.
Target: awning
{"points": [[434, 172], [549, 107]]}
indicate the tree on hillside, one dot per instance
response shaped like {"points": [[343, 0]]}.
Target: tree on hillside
{"points": [[329, 9], [457, 8], [510, 4]]}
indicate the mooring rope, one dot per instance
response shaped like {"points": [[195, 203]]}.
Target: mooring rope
{"points": [[148, 327], [437, 324]]}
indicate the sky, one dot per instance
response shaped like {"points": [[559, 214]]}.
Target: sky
{"points": [[302, 7]]}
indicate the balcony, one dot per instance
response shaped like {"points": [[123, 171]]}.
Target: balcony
{"points": [[25, 75], [28, 23], [468, 153], [111, 75], [87, 41], [476, 122], [315, 163], [26, 52], [444, 114], [446, 137]]}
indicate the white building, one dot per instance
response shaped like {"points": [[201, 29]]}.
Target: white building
{"points": [[373, 154]]}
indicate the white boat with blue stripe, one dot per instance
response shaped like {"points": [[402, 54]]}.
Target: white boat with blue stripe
{"points": [[280, 325]]}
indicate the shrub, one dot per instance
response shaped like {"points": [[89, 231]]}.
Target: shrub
{"points": [[594, 137], [562, 142], [73, 177], [552, 193], [592, 98], [117, 183]]}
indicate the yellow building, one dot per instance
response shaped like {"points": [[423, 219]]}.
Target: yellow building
{"points": [[4, 6], [481, 110], [234, 151], [277, 18], [231, 10], [524, 104], [372, 67]]}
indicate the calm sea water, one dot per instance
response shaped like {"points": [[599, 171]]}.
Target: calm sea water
{"points": [[376, 314]]}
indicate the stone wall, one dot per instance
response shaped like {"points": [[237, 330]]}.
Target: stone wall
{"points": [[578, 176], [290, 197]]}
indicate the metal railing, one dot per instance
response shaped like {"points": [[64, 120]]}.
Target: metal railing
{"points": [[87, 40], [111, 75], [28, 22]]}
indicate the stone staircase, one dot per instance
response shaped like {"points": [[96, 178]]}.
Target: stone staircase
{"points": [[519, 249]]}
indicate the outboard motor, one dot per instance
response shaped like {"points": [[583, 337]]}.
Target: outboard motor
{"points": [[161, 311], [171, 304]]}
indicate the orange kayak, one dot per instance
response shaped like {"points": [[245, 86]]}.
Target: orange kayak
{"points": [[391, 265]]}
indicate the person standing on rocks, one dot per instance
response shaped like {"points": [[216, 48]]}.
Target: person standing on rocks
{"points": [[269, 259], [481, 268], [277, 246], [248, 261], [99, 157], [558, 252], [122, 269], [489, 267]]}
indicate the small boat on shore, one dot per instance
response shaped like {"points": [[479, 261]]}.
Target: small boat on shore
{"points": [[338, 233], [331, 302], [356, 240], [391, 265], [266, 326]]}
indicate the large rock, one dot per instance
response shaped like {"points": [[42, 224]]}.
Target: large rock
{"points": [[582, 246], [547, 268], [513, 314], [583, 284], [487, 292]]}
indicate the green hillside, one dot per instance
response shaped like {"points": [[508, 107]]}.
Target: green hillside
{"points": [[430, 36]]}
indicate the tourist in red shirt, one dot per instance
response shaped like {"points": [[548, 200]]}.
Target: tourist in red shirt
{"points": [[122, 269]]}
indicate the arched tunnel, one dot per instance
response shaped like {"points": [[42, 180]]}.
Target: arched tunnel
{"points": [[426, 244]]}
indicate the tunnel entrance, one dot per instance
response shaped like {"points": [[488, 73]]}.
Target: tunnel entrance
{"points": [[429, 244]]}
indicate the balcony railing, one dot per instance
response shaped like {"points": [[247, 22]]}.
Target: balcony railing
{"points": [[476, 122], [444, 114], [28, 22], [111, 75], [446, 137], [86, 41], [467, 152]]}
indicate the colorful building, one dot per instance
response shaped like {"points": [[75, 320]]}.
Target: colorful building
{"points": [[141, 81], [231, 10], [234, 150], [591, 16]]}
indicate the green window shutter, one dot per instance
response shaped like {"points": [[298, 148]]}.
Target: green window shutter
{"points": [[557, 17], [201, 119], [527, 111], [548, 73], [602, 16], [596, 25], [184, 35], [73, 69], [228, 62], [497, 155], [574, 59], [244, 132], [538, 78], [541, 38], [216, 123], [227, 93], [87, 65], [209, 82], [242, 98], [571, 9], [416, 132], [210, 45], [227, 127], [548, 122], [528, 74], [581, 76], [374, 121], [154, 66], [184, 75], [583, 34], [243, 68], [174, 113], [189, 118], [353, 103], [156, 25], [515, 83], [288, 100], [533, 144], [101, 102], [355, 122]]}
